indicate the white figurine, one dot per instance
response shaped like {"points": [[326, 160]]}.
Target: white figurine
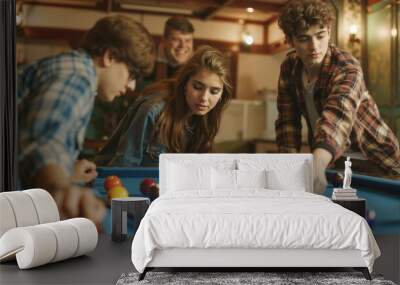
{"points": [[347, 174]]}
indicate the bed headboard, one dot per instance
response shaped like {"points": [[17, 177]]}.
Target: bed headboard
{"points": [[236, 161]]}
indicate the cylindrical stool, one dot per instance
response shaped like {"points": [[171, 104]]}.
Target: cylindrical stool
{"points": [[121, 209]]}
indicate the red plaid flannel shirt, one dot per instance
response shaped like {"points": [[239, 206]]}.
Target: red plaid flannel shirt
{"points": [[349, 116]]}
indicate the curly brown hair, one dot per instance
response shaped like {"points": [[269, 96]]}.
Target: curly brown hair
{"points": [[300, 15], [127, 40]]}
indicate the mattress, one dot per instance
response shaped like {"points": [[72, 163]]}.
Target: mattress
{"points": [[251, 219]]}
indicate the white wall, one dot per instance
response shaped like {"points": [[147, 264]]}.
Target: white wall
{"points": [[242, 120], [257, 71], [275, 33], [38, 49]]}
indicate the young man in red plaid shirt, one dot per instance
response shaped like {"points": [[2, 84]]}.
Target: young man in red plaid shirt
{"points": [[325, 85]]}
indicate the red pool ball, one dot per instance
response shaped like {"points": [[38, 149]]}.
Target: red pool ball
{"points": [[153, 192], [146, 184], [111, 182]]}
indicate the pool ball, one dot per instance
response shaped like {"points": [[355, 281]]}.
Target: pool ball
{"points": [[118, 192], [146, 184], [153, 192], [111, 182]]}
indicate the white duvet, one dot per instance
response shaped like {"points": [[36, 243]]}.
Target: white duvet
{"points": [[252, 218]]}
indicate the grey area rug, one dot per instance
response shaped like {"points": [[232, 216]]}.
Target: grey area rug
{"points": [[233, 278]]}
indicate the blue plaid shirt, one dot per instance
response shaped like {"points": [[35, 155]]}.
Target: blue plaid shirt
{"points": [[55, 101]]}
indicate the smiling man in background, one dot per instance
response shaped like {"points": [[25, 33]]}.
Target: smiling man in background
{"points": [[325, 85], [55, 101], [176, 46], [174, 50]]}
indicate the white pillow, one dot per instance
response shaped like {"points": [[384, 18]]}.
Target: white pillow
{"points": [[294, 179], [183, 178], [282, 174], [224, 179], [251, 178]]}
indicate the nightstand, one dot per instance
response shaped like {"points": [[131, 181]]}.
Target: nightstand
{"points": [[358, 206]]}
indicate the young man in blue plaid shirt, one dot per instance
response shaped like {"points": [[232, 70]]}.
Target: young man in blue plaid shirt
{"points": [[55, 101]]}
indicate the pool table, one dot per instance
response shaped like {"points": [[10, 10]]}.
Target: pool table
{"points": [[131, 179], [382, 195]]}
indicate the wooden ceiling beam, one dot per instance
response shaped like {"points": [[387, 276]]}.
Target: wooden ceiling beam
{"points": [[79, 5], [209, 12], [144, 12], [109, 5], [262, 6], [271, 20], [169, 14], [234, 20], [174, 3], [213, 6]]}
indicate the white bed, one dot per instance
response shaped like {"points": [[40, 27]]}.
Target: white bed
{"points": [[247, 210]]}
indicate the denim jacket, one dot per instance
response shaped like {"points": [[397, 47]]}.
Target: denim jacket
{"points": [[129, 145]]}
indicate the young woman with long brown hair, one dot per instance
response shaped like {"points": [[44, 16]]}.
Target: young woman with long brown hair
{"points": [[180, 115]]}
